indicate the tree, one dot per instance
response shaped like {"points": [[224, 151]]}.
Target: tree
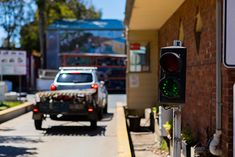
{"points": [[81, 11], [30, 37], [13, 15]]}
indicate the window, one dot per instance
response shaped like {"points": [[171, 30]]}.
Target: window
{"points": [[82, 61], [139, 58], [75, 78]]}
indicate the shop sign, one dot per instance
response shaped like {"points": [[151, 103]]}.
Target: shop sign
{"points": [[12, 62], [135, 46]]}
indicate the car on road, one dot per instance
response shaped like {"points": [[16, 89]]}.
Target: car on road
{"points": [[76, 94]]}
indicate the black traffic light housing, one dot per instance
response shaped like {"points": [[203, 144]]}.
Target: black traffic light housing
{"points": [[172, 75]]}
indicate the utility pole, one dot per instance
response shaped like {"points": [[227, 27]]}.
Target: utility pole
{"points": [[41, 10]]}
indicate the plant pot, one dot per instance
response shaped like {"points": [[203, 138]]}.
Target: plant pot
{"points": [[186, 149], [134, 123]]}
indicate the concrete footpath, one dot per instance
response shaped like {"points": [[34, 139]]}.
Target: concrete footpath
{"points": [[14, 112], [141, 143], [145, 144], [124, 148]]}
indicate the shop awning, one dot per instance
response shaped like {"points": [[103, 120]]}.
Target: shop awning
{"points": [[149, 14]]}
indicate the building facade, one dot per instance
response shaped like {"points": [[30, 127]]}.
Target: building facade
{"points": [[99, 43], [102, 36], [194, 23]]}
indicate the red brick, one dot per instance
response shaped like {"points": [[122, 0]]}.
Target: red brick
{"points": [[199, 110]]}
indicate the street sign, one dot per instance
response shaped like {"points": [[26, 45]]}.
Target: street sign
{"points": [[12, 62], [135, 46], [229, 34]]}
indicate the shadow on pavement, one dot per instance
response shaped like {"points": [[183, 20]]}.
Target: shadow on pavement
{"points": [[142, 129], [75, 131], [7, 129], [17, 139], [11, 151], [107, 117]]}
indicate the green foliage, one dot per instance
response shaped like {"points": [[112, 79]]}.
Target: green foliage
{"points": [[29, 37], [168, 126], [82, 11], [9, 104], [155, 109], [163, 145], [13, 15], [187, 136], [58, 10]]}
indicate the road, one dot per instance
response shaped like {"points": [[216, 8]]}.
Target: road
{"points": [[18, 137]]}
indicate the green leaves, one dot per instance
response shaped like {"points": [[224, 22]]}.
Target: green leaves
{"points": [[13, 15]]}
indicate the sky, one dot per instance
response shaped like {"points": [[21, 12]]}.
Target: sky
{"points": [[111, 9]]}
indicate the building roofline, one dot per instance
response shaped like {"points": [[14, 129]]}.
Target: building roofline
{"points": [[128, 11], [88, 24]]}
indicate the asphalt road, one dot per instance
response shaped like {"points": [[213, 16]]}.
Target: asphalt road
{"points": [[18, 137]]}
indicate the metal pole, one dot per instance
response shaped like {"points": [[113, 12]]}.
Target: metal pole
{"points": [[177, 132], [20, 86], [218, 63], [1, 75]]}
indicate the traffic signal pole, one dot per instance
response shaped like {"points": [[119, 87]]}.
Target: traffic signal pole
{"points": [[172, 86], [177, 131], [177, 124]]}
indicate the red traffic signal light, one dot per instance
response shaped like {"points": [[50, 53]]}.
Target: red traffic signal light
{"points": [[170, 62]]}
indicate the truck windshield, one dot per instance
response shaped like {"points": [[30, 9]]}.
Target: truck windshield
{"points": [[75, 78]]}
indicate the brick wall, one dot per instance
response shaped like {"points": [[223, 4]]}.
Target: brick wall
{"points": [[199, 110], [228, 77]]}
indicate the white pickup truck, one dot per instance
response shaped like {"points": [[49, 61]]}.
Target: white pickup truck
{"points": [[75, 95]]}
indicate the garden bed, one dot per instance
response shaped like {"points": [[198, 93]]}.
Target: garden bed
{"points": [[8, 104]]}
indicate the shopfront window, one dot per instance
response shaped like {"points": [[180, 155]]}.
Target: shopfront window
{"points": [[139, 57]]}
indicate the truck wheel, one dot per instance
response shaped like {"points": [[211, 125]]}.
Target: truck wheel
{"points": [[53, 117], [38, 124], [100, 114], [105, 109], [93, 124]]}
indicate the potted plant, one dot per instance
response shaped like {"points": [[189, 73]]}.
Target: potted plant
{"points": [[187, 141]]}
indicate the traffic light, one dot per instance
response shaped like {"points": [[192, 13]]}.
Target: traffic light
{"points": [[172, 75]]}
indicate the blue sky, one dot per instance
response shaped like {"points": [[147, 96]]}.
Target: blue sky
{"points": [[111, 9]]}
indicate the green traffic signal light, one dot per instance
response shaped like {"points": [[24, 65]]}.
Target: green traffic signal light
{"points": [[170, 88]]}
